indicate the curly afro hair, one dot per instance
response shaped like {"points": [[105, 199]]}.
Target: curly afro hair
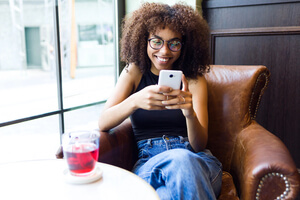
{"points": [[194, 58]]}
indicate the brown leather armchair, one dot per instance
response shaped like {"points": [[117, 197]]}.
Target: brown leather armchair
{"points": [[256, 164]]}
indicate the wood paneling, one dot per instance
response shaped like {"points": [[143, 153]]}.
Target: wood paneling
{"points": [[253, 16], [263, 33]]}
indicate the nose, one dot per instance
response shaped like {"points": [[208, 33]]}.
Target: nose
{"points": [[165, 48]]}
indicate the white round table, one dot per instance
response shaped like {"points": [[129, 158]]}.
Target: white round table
{"points": [[44, 179]]}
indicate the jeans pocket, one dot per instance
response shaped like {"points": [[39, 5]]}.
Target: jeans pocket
{"points": [[143, 153], [143, 150]]}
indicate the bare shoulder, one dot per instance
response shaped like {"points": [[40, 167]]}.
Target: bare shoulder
{"points": [[125, 86], [131, 76], [197, 84], [131, 71], [198, 88]]}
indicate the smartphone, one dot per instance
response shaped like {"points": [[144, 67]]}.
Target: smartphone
{"points": [[171, 78]]}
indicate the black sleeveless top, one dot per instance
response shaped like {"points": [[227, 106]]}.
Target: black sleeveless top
{"points": [[156, 123]]}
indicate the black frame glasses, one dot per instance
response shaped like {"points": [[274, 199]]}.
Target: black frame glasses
{"points": [[171, 45]]}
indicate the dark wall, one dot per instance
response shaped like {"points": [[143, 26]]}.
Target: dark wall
{"points": [[263, 32]]}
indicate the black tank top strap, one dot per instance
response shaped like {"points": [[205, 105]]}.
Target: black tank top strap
{"points": [[148, 78]]}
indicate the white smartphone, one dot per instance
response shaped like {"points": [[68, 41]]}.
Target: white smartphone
{"points": [[171, 78]]}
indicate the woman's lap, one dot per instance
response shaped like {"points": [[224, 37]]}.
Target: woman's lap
{"points": [[176, 172]]}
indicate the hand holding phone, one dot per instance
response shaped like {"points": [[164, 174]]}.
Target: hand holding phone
{"points": [[171, 78]]}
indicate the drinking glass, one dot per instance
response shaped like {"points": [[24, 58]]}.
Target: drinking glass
{"points": [[81, 151]]}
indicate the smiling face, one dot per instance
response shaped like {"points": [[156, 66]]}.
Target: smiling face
{"points": [[163, 58]]}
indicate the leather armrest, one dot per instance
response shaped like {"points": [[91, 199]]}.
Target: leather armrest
{"points": [[262, 165], [59, 153], [117, 146]]}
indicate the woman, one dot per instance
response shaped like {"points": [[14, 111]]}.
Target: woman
{"points": [[170, 126]]}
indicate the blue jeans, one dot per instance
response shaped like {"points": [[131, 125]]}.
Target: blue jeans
{"points": [[176, 172]]}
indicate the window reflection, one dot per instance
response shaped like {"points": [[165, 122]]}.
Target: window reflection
{"points": [[28, 66], [27, 59], [88, 28], [28, 78]]}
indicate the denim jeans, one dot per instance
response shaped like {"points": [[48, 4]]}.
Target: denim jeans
{"points": [[176, 172]]}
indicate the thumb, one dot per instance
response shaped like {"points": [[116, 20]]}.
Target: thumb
{"points": [[185, 86]]}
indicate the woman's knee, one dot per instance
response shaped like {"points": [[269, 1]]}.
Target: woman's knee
{"points": [[181, 157]]}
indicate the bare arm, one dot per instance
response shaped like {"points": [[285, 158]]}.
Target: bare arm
{"points": [[123, 102], [197, 123], [118, 107], [192, 100]]}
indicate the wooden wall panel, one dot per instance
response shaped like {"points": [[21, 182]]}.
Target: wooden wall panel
{"points": [[273, 15], [263, 33]]}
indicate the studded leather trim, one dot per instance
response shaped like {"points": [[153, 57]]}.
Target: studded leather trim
{"points": [[261, 183]]}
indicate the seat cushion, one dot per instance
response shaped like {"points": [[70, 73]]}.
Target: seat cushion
{"points": [[228, 190]]}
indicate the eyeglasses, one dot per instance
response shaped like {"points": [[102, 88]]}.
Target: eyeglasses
{"points": [[173, 45]]}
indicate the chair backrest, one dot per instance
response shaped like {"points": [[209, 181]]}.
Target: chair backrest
{"points": [[234, 94]]}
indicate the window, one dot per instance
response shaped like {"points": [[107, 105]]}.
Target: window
{"points": [[50, 84]]}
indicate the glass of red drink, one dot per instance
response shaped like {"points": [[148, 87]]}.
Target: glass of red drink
{"points": [[81, 151]]}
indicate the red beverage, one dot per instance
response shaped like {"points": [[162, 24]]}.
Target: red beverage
{"points": [[81, 158]]}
